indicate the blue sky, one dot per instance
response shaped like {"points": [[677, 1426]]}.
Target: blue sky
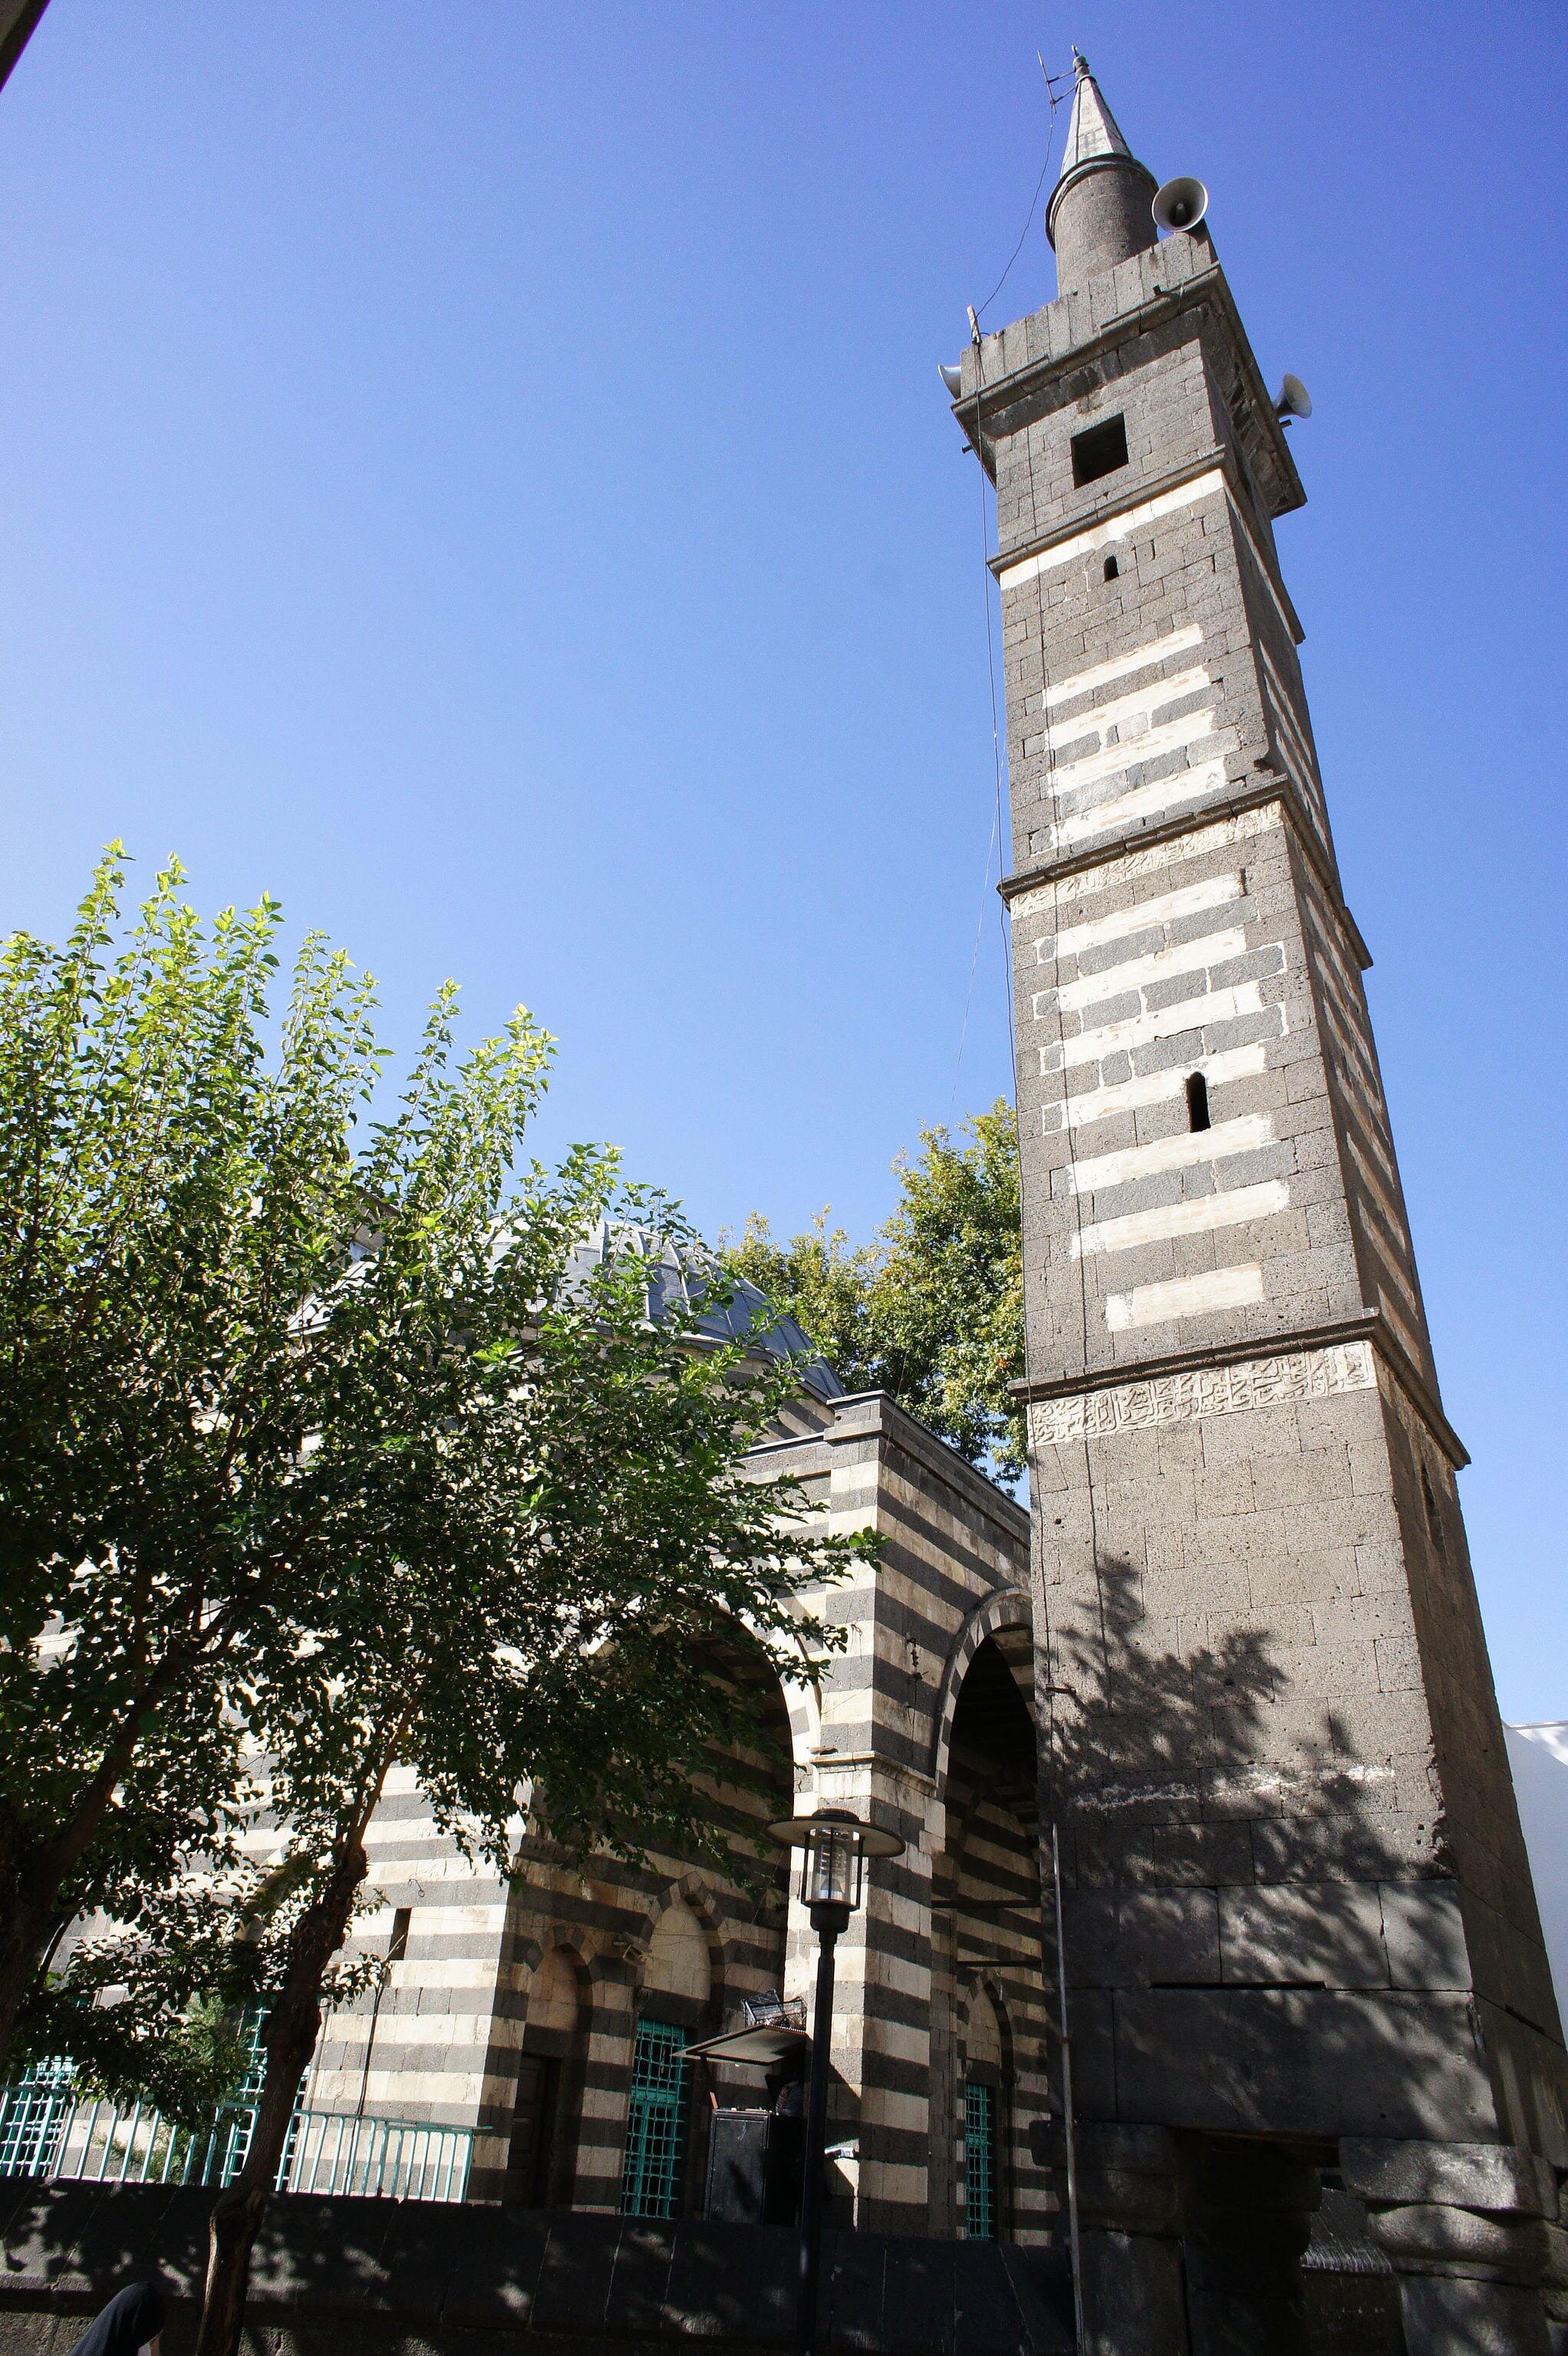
{"points": [[480, 474]]}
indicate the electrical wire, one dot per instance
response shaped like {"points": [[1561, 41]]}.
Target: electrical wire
{"points": [[1028, 217]]}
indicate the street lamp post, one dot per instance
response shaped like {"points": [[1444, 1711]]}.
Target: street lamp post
{"points": [[836, 1844]]}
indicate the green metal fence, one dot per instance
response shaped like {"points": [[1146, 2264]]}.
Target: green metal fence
{"points": [[49, 2128], [656, 2130]]}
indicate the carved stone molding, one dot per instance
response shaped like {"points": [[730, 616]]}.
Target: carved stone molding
{"points": [[1179, 1398]]}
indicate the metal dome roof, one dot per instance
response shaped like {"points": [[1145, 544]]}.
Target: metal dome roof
{"points": [[745, 1315]]}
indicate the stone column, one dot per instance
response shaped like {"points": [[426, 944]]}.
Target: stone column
{"points": [[1131, 2183], [1465, 2227], [1249, 2219]]}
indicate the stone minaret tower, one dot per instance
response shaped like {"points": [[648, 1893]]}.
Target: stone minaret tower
{"points": [[1302, 1931]]}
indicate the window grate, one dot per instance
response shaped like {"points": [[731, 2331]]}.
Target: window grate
{"points": [[979, 2162], [655, 2131], [32, 2116]]}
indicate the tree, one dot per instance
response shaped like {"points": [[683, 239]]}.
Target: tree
{"points": [[169, 1197], [318, 1455], [569, 1651], [932, 1310]]}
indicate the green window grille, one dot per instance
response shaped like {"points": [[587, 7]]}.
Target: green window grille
{"points": [[235, 2121], [32, 2114], [655, 2131], [979, 2162]]}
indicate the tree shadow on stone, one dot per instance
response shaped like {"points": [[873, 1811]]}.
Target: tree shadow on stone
{"points": [[1260, 1939]]}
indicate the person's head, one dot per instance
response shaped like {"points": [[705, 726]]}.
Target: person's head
{"points": [[132, 2320]]}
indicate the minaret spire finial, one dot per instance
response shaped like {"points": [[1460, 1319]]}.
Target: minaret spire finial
{"points": [[1099, 211]]}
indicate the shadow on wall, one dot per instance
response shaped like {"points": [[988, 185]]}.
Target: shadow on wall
{"points": [[1259, 1939], [382, 2276]]}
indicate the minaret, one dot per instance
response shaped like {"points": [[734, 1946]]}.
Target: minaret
{"points": [[1302, 1929], [1099, 210]]}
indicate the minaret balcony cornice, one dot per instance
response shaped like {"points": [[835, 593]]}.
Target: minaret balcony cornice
{"points": [[1206, 286], [1247, 794], [1371, 1326]]}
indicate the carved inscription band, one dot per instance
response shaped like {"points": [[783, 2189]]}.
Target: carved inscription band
{"points": [[1205, 1391]]}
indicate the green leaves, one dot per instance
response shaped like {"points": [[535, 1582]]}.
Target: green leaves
{"points": [[933, 1308], [328, 1445]]}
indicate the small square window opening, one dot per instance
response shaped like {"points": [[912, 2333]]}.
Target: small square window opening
{"points": [[1099, 450]]}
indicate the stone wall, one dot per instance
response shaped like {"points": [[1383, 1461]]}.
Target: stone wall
{"points": [[407, 2279]]}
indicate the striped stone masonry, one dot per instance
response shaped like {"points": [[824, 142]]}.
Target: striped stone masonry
{"points": [[1297, 1898], [924, 1722]]}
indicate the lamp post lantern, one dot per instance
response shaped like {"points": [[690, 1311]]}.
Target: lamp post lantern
{"points": [[834, 1844]]}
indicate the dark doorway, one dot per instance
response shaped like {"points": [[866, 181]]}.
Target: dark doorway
{"points": [[533, 2131]]}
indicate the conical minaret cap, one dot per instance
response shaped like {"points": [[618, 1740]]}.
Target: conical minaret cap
{"points": [[1099, 210], [1091, 128]]}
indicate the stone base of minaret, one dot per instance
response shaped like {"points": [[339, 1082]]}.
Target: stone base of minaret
{"points": [[1471, 2231], [1192, 2244]]}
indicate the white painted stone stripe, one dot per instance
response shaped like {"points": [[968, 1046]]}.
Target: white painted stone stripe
{"points": [[1138, 972], [447, 1972], [1404, 1325], [1129, 861], [453, 2030], [1295, 768], [1352, 1031], [1182, 1151], [1404, 1308], [1290, 739], [1286, 712], [462, 2090], [1163, 1022], [1244, 526], [1163, 909], [1371, 1177], [1149, 744], [1155, 1087], [1117, 527], [1135, 708], [1383, 1198], [1144, 801], [1101, 674], [1237, 1208], [1185, 1296]]}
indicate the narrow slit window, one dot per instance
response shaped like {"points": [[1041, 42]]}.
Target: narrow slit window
{"points": [[1433, 1519], [1197, 1101], [1099, 450], [1112, 568], [398, 1945]]}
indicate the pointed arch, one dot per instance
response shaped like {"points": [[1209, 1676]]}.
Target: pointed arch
{"points": [[1008, 1607]]}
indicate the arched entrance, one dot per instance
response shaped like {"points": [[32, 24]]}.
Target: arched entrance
{"points": [[541, 2150], [990, 2029]]}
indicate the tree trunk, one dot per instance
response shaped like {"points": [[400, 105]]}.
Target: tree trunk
{"points": [[33, 1873], [29, 1920], [293, 2026]]}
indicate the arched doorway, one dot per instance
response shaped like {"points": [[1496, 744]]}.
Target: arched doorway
{"points": [[672, 2010], [990, 2029], [542, 2151]]}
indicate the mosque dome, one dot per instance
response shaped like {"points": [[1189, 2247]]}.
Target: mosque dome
{"points": [[743, 1314]]}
